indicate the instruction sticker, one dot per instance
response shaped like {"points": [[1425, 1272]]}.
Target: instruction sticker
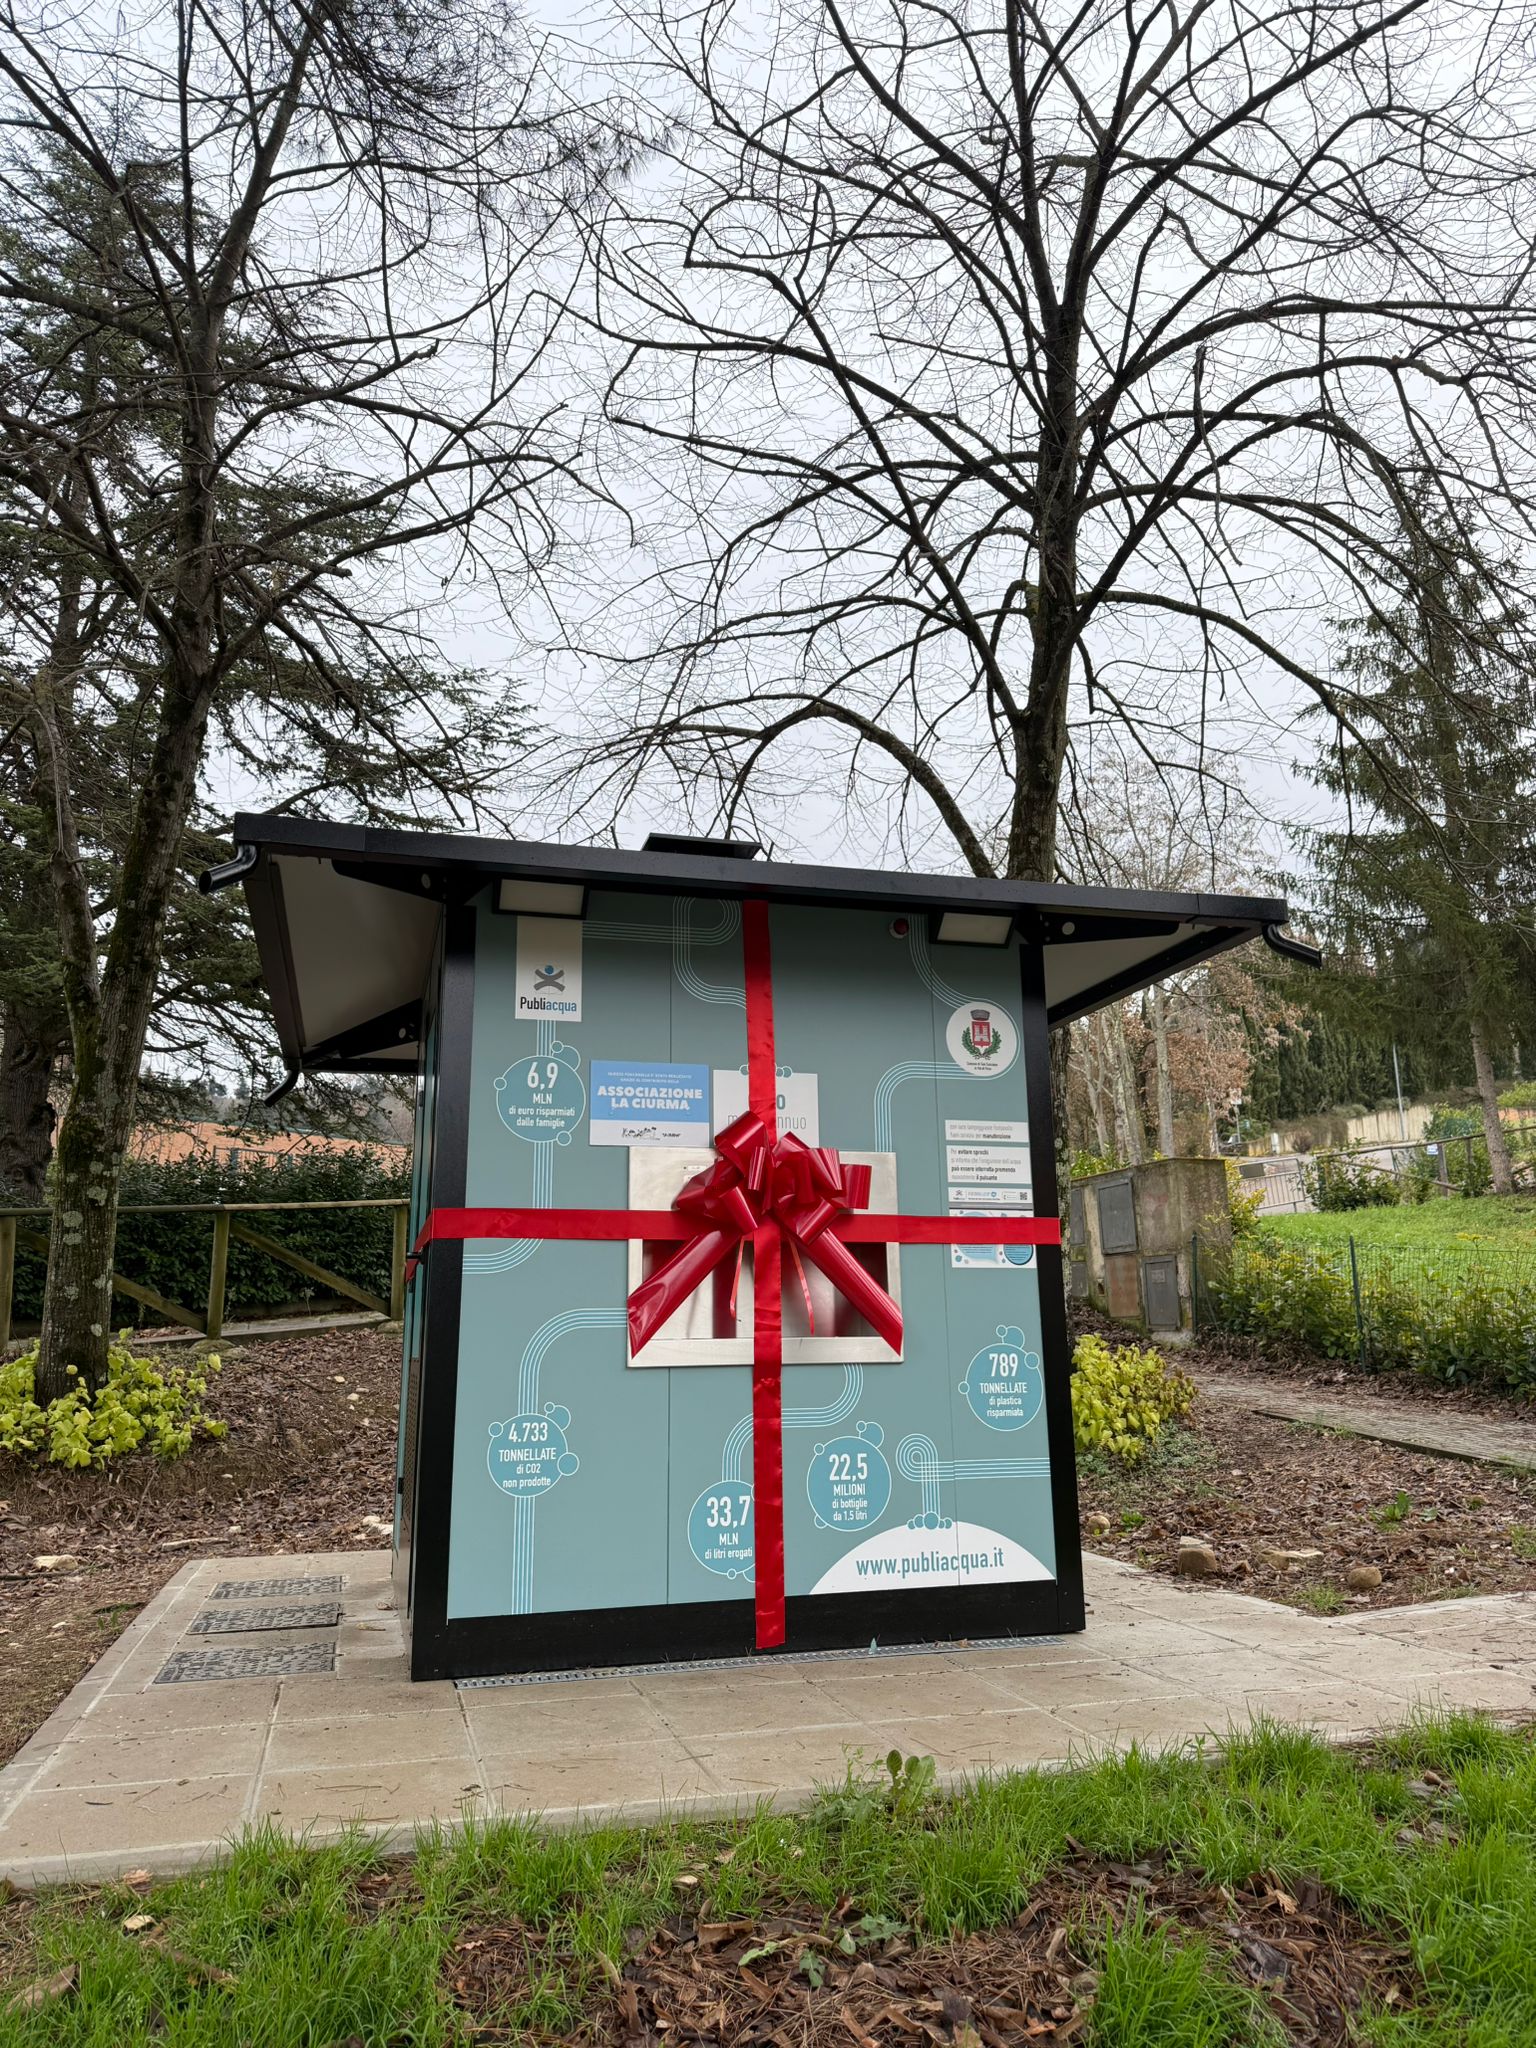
{"points": [[988, 1165], [973, 1130]]}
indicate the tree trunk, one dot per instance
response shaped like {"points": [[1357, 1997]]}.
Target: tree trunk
{"points": [[109, 1021], [1061, 1056], [1159, 1010], [1488, 1095], [27, 1059], [1093, 1077], [1133, 1135]]}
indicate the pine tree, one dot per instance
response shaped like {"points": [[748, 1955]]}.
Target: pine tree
{"points": [[1429, 880]]}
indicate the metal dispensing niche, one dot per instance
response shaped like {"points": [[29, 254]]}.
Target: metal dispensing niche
{"points": [[737, 1318]]}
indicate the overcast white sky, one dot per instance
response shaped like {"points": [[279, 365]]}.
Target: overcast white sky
{"points": [[1259, 734]]}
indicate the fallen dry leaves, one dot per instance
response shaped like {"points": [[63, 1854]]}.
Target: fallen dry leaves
{"points": [[1247, 1484], [803, 1980]]}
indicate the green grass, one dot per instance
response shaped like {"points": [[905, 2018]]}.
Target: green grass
{"points": [[1509, 1220], [315, 1954]]}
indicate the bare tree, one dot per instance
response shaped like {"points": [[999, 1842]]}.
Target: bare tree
{"points": [[264, 369], [1189, 1040], [1016, 369]]}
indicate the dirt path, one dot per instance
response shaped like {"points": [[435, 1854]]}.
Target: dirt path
{"points": [[1450, 1433]]}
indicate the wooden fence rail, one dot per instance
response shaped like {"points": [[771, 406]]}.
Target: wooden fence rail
{"points": [[227, 1224]]}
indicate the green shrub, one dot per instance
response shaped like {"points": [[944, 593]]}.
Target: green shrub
{"points": [[172, 1253], [1454, 1312], [1522, 1095], [1242, 1207], [1446, 1122], [1271, 1287], [1345, 1180], [1467, 1168], [140, 1404], [1123, 1396], [1085, 1163]]}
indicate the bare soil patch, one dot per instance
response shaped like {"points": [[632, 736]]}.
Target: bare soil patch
{"points": [[1291, 1368], [1274, 1362], [310, 1452], [855, 1981], [1436, 1528]]}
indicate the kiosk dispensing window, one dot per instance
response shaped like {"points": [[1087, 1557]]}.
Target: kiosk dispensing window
{"points": [[736, 1312]]}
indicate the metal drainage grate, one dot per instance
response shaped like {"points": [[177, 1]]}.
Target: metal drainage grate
{"points": [[759, 1663], [247, 1661], [239, 1621], [275, 1589]]}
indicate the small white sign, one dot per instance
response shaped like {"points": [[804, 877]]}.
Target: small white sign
{"points": [[1020, 1198], [971, 1130], [988, 1166], [548, 980], [799, 1108], [981, 1038]]}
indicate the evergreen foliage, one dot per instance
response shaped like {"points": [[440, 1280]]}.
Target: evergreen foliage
{"points": [[171, 1253], [1428, 880], [1320, 1062]]}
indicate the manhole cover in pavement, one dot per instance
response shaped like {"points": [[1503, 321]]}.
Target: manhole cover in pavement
{"points": [[274, 1589], [240, 1621], [247, 1661]]}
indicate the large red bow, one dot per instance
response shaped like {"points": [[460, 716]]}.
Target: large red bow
{"points": [[759, 1180], [774, 1191]]}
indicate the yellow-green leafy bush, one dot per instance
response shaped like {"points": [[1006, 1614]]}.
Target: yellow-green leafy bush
{"points": [[141, 1403], [1124, 1396], [1243, 1204]]}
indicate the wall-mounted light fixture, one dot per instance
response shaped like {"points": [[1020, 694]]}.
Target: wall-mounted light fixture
{"points": [[973, 928], [541, 899]]}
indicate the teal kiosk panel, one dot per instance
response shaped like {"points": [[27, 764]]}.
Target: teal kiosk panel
{"points": [[577, 1022]]}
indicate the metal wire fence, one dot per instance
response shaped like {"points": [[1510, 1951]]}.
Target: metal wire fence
{"points": [[1456, 1312]]}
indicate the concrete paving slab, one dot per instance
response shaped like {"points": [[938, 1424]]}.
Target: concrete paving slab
{"points": [[974, 1743], [1153, 1723], [113, 1757], [1341, 1711], [167, 1823], [1487, 1689], [634, 1781], [369, 1794], [695, 1715], [540, 1723], [383, 1739], [852, 1693], [130, 1773], [1103, 1683]]}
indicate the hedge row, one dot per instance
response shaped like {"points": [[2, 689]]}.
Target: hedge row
{"points": [[1463, 1312], [172, 1253]]}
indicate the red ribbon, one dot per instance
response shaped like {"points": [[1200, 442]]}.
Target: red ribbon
{"points": [[771, 1191]]}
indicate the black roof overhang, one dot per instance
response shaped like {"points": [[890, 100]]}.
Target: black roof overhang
{"points": [[346, 916]]}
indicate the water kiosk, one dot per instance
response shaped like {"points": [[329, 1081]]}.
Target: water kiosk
{"points": [[736, 1315]]}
